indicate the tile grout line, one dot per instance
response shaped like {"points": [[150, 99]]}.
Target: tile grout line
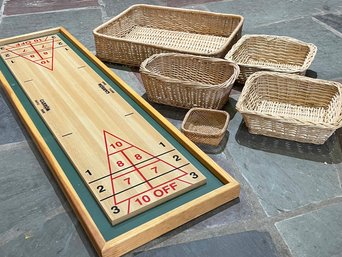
{"points": [[11, 146], [326, 26], [103, 10], [2, 9]]}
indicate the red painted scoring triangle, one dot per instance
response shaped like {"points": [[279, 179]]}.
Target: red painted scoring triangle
{"points": [[41, 52], [116, 146]]}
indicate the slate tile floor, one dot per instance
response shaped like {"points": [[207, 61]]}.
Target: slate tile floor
{"points": [[291, 198]]}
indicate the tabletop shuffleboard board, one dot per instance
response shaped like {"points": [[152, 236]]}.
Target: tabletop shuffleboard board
{"points": [[127, 164]]}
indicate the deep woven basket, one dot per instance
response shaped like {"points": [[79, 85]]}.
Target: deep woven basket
{"points": [[291, 107], [144, 30], [271, 53], [205, 126], [188, 81]]}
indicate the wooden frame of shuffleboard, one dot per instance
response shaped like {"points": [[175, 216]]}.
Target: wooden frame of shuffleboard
{"points": [[142, 228]]}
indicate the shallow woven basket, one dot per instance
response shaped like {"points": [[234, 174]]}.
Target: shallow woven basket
{"points": [[188, 81], [144, 30], [271, 53], [291, 107], [205, 126]]}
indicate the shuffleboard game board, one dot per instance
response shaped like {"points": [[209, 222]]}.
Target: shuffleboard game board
{"points": [[128, 173], [126, 163]]}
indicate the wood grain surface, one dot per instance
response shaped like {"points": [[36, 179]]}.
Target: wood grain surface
{"points": [[126, 163]]}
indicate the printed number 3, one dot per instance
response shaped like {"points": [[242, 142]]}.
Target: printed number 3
{"points": [[193, 174], [115, 209]]}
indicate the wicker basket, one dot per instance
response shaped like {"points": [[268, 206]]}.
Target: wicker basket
{"points": [[271, 53], [188, 81], [205, 126], [144, 30], [291, 107]]}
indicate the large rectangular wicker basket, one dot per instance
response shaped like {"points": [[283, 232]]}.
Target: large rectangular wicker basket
{"points": [[271, 53], [188, 81], [144, 30], [291, 107]]}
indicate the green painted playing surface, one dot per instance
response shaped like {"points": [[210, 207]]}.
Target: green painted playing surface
{"points": [[107, 230]]}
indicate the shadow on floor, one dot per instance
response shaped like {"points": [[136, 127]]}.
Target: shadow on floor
{"points": [[210, 149], [330, 152], [244, 244]]}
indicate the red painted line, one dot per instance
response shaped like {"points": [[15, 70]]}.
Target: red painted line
{"points": [[147, 164], [129, 206], [36, 52], [120, 150], [185, 181], [28, 45], [137, 169], [32, 60], [134, 170], [151, 189], [109, 166], [28, 53], [124, 174]]}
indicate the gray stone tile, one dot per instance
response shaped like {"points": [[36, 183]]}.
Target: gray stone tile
{"points": [[315, 234], [10, 129], [79, 23], [263, 12], [26, 6], [246, 244], [332, 20], [35, 218], [114, 7], [328, 61], [282, 173]]}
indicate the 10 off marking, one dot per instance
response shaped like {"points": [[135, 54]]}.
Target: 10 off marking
{"points": [[160, 192]]}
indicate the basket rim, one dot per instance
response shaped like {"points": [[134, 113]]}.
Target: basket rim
{"points": [[249, 83], [224, 128], [156, 7], [227, 83], [306, 63]]}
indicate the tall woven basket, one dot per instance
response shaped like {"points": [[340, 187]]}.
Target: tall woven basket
{"points": [[144, 30], [291, 107], [271, 53], [188, 81]]}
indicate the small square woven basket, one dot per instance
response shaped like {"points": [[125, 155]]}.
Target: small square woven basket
{"points": [[144, 30], [291, 107], [205, 126], [271, 53], [188, 81]]}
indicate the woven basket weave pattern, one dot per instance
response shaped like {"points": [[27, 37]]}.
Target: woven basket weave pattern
{"points": [[205, 126], [291, 107], [144, 30], [271, 53], [188, 81]]}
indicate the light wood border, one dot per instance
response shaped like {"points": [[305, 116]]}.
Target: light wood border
{"points": [[155, 227]]}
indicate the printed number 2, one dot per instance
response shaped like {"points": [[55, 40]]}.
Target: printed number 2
{"points": [[176, 157], [101, 189]]}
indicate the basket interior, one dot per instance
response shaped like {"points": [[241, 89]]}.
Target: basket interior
{"points": [[184, 30], [208, 122], [191, 69], [293, 98], [271, 51]]}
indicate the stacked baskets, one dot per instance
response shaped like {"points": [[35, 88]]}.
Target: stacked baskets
{"points": [[178, 52]]}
